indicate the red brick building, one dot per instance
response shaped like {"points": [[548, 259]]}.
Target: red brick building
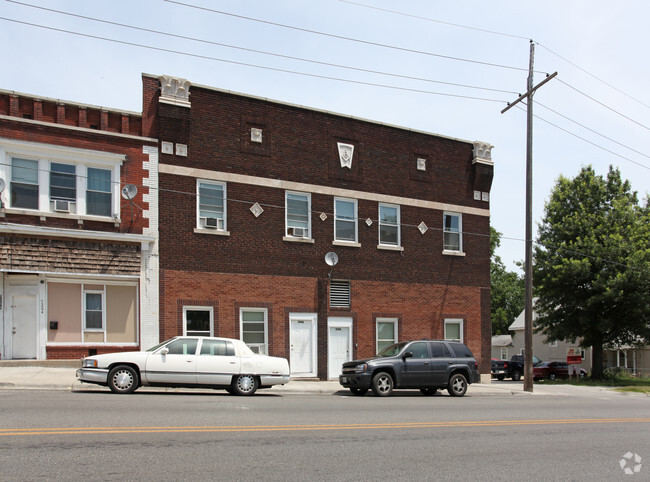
{"points": [[78, 260], [254, 193]]}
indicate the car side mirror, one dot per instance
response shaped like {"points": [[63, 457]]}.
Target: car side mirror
{"points": [[164, 351], [408, 354]]}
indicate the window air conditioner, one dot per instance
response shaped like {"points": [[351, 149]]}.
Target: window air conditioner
{"points": [[297, 232], [61, 206], [213, 223]]}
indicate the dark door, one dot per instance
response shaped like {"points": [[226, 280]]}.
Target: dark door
{"points": [[416, 370]]}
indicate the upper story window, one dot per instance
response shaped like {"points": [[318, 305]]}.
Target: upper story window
{"points": [[63, 187], [298, 219], [345, 220], [211, 201], [452, 232], [454, 329], [389, 225], [99, 192], [47, 178], [24, 183]]}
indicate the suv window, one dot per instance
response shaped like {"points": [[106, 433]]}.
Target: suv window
{"points": [[419, 350], [439, 350], [461, 350]]}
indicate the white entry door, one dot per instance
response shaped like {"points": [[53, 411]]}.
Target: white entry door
{"points": [[23, 309], [339, 345], [302, 356]]}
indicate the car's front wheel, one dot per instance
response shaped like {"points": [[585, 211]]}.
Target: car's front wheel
{"points": [[123, 379], [428, 391], [382, 384], [358, 391], [244, 385], [457, 385]]}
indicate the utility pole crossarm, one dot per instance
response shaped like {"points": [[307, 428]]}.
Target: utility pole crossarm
{"points": [[532, 91]]}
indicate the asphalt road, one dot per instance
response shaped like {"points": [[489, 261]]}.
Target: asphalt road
{"points": [[60, 435]]}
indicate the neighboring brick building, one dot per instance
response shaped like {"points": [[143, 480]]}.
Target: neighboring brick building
{"points": [[78, 262], [254, 194]]}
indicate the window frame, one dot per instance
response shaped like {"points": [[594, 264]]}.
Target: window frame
{"points": [[446, 231], [397, 225], [288, 236], [200, 220], [84, 309], [454, 321], [44, 155], [354, 220], [265, 345], [209, 309], [394, 322]]}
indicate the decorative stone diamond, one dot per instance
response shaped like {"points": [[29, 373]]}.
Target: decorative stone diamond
{"points": [[423, 227], [368, 221], [256, 209], [323, 216]]}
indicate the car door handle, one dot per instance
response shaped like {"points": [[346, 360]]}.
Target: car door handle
{"points": [[233, 363]]}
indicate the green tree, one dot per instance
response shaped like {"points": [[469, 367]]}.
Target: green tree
{"points": [[507, 292], [592, 264]]}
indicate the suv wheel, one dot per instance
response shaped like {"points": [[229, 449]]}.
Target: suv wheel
{"points": [[382, 384], [516, 375], [457, 385]]}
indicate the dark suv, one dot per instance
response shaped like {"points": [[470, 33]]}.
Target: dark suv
{"points": [[425, 364]]}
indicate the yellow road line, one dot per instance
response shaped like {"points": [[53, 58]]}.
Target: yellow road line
{"points": [[7, 432]]}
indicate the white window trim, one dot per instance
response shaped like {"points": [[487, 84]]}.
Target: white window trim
{"points": [[460, 251], [85, 329], [198, 308], [286, 237], [44, 154], [381, 245], [201, 229], [347, 242], [266, 325], [394, 321], [455, 321]]}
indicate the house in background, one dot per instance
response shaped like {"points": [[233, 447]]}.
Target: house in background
{"points": [[255, 193], [78, 260], [502, 347], [556, 351]]}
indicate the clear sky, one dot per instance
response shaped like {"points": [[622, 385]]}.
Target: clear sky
{"points": [[443, 67]]}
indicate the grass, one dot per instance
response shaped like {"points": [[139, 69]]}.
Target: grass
{"points": [[621, 381]]}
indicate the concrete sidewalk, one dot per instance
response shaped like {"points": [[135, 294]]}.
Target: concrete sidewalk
{"points": [[61, 376]]}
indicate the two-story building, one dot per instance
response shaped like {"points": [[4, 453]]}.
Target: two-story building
{"points": [[78, 229], [254, 197]]}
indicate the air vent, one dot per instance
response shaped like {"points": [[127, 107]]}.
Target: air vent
{"points": [[297, 232], [213, 223], [339, 294], [61, 206]]}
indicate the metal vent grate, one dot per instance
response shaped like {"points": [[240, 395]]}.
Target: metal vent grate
{"points": [[339, 294]]}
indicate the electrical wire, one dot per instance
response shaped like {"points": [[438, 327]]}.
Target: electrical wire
{"points": [[262, 52], [244, 64], [349, 39], [602, 104]]}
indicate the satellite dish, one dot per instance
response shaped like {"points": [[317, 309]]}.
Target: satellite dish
{"points": [[331, 258], [2, 185], [129, 191]]}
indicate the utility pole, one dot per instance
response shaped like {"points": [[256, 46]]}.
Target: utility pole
{"points": [[528, 295]]}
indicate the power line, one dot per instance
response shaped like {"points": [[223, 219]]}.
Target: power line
{"points": [[244, 64], [592, 130], [349, 39], [602, 104], [220, 44]]}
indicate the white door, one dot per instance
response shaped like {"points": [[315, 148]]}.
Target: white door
{"points": [[178, 365], [302, 350], [339, 347], [23, 309]]}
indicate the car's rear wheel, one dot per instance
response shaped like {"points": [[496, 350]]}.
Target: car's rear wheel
{"points": [[428, 391], [457, 385], [244, 385], [382, 384], [551, 376], [358, 391], [123, 379], [500, 377], [516, 375]]}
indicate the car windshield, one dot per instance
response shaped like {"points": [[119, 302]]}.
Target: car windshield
{"points": [[392, 350]]}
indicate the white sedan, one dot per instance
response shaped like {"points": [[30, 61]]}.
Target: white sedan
{"points": [[187, 361]]}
